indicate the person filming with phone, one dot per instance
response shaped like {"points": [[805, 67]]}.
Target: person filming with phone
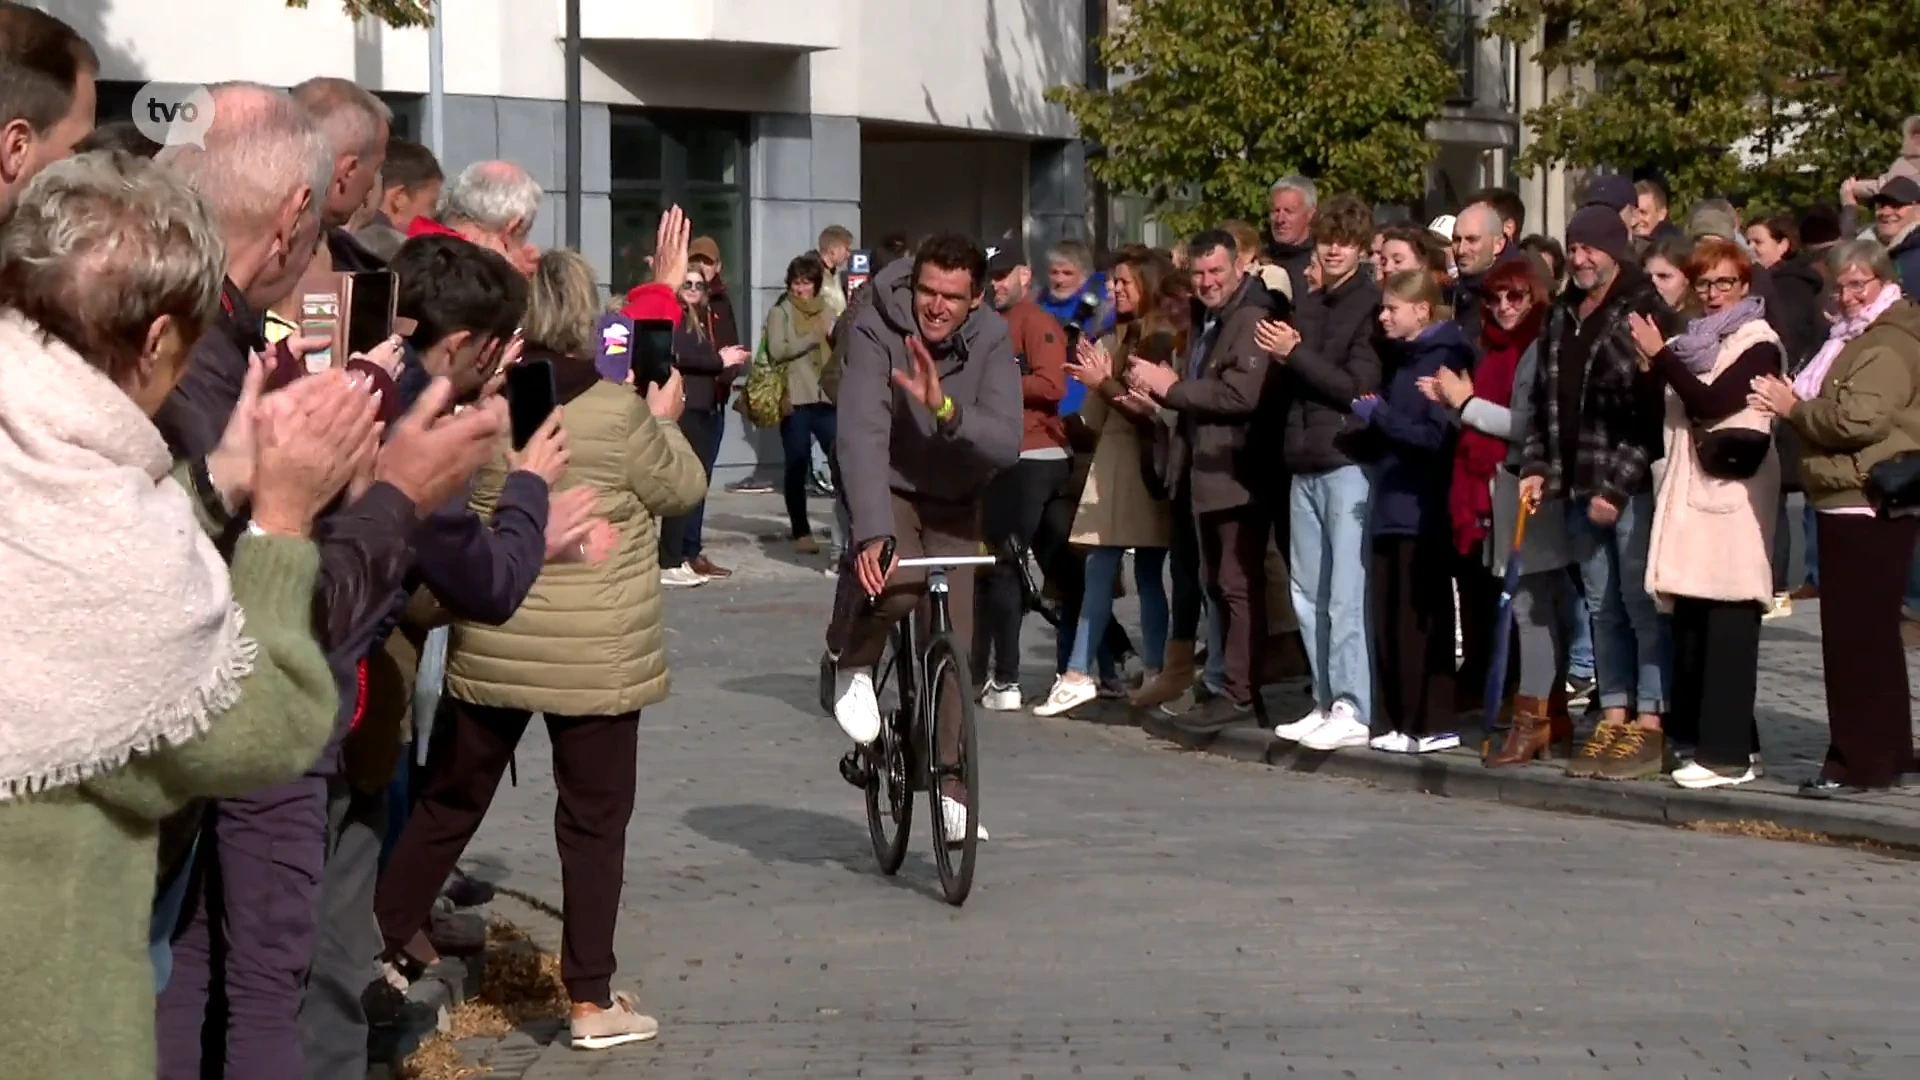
{"points": [[929, 410], [585, 646]]}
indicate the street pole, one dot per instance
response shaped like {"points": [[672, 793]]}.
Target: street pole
{"points": [[436, 90], [573, 124]]}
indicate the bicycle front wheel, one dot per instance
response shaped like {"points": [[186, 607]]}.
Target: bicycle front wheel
{"points": [[952, 761]]}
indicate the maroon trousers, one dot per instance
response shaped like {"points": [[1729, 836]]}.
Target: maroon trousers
{"points": [[594, 773], [1233, 552], [1863, 577]]}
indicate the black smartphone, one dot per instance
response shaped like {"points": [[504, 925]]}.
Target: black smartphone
{"points": [[371, 299], [652, 352], [531, 397]]}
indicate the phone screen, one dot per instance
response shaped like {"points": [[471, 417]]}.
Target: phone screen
{"points": [[320, 318], [370, 321], [531, 398], [652, 352]]}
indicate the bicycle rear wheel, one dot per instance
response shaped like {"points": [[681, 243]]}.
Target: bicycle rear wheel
{"points": [[889, 773], [949, 687]]}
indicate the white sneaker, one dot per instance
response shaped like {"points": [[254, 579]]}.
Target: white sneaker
{"points": [[1433, 744], [855, 706], [1000, 698], [1344, 729], [1295, 731], [955, 816], [681, 577], [1066, 696], [1697, 777], [1393, 742]]}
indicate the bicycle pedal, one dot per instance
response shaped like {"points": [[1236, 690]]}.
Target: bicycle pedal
{"points": [[854, 769]]}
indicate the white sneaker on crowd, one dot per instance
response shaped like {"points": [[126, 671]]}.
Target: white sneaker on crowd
{"points": [[954, 820], [1433, 744], [1066, 696], [1295, 731], [1697, 777], [681, 577], [1000, 698], [1344, 729], [1781, 607], [1393, 742], [855, 706]]}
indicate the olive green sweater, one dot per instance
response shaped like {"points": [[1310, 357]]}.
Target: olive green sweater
{"points": [[77, 866]]}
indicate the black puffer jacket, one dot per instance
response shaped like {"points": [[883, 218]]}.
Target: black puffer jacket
{"points": [[1797, 317], [1335, 362]]}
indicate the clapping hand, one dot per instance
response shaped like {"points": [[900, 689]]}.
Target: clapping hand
{"points": [[431, 456], [310, 440], [1772, 395], [1151, 379], [1277, 338], [1447, 387], [734, 357], [1091, 365], [1647, 338]]}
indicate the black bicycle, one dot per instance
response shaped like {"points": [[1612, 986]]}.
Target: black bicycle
{"points": [[913, 681]]}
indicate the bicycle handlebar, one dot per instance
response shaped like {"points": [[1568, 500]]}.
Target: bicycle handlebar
{"points": [[941, 562]]}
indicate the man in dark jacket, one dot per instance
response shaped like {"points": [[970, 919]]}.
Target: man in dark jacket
{"points": [[1216, 460], [1595, 433], [1291, 205], [929, 410], [1330, 360], [1896, 221]]}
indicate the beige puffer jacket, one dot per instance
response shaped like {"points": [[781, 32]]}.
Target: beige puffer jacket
{"points": [[587, 640]]}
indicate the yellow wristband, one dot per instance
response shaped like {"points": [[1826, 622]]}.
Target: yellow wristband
{"points": [[945, 412]]}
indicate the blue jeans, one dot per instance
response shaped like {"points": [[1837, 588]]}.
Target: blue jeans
{"points": [[1327, 553], [799, 431], [1103, 569], [1632, 654], [1578, 625]]}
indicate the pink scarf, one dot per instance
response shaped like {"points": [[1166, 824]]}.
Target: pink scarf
{"points": [[1806, 385]]}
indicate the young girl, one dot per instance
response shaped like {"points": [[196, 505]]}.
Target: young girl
{"points": [[1410, 576]]}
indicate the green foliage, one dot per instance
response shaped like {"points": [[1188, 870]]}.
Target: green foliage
{"points": [[1864, 79], [1227, 96], [1680, 83], [395, 13]]}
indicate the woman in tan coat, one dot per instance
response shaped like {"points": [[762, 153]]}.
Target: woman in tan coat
{"points": [[1118, 509], [584, 649]]}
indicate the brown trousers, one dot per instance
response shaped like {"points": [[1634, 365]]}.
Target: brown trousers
{"points": [[594, 774], [1233, 556], [1863, 577], [859, 629]]}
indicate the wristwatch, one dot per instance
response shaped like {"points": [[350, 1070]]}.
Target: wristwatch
{"points": [[210, 500]]}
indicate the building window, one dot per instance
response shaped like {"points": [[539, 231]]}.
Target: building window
{"points": [[693, 159]]}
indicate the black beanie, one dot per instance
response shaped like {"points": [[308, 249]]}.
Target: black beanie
{"points": [[1601, 229], [1820, 225]]}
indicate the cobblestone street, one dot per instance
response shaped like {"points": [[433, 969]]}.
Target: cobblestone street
{"points": [[1147, 912]]}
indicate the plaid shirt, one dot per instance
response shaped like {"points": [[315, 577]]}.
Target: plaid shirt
{"points": [[1621, 408]]}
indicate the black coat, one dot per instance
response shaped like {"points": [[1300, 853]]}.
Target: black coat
{"points": [[1336, 361]]}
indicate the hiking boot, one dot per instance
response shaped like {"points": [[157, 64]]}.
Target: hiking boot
{"points": [[1636, 753], [596, 1028], [1586, 764]]}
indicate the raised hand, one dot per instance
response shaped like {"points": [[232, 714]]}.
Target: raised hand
{"points": [[671, 239], [923, 380]]}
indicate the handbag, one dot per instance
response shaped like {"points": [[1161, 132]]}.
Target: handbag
{"points": [[766, 396], [1893, 485], [1731, 453]]}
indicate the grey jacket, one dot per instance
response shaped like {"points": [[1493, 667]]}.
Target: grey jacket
{"points": [[888, 443], [1546, 546]]}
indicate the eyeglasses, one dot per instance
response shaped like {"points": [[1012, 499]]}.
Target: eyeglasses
{"points": [[1856, 288], [1715, 284], [1516, 297], [696, 286]]}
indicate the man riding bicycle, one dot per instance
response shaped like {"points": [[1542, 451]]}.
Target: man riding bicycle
{"points": [[929, 411]]}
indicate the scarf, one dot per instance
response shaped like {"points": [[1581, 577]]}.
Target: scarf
{"points": [[1478, 455], [810, 309], [1806, 385], [120, 630], [1699, 345]]}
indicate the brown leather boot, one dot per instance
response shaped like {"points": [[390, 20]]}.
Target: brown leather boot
{"points": [[1175, 678], [1529, 738]]}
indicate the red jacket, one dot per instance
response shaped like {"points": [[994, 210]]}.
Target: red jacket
{"points": [[426, 226], [1042, 344]]}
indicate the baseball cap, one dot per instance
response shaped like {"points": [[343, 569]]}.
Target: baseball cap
{"points": [[1613, 192], [1899, 191], [704, 247], [1442, 226], [1004, 260]]}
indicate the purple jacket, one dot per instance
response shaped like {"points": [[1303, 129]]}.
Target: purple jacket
{"points": [[481, 570]]}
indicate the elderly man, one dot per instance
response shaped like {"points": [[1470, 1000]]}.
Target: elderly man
{"points": [[264, 171], [356, 125], [493, 204], [1291, 204], [46, 94]]}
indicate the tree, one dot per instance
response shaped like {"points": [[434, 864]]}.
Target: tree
{"points": [[1864, 79], [395, 13], [1214, 100], [1677, 86]]}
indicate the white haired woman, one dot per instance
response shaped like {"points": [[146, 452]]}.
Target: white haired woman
{"points": [[143, 671]]}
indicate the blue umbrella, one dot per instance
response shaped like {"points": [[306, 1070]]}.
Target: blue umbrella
{"points": [[1496, 688]]}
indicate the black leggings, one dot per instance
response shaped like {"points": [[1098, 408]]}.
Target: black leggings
{"points": [[1013, 508]]}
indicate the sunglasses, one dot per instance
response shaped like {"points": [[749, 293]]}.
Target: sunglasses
{"points": [[697, 286], [1515, 297]]}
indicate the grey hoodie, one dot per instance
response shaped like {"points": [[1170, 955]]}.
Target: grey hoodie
{"points": [[887, 442]]}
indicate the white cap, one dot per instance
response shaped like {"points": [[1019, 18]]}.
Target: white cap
{"points": [[1442, 227]]}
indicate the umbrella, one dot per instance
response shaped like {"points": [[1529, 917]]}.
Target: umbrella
{"points": [[1496, 688]]}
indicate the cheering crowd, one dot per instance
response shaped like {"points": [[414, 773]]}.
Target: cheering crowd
{"points": [[1320, 451]]}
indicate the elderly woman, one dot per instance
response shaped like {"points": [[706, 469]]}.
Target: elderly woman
{"points": [[1857, 404], [584, 649], [143, 671], [1710, 561]]}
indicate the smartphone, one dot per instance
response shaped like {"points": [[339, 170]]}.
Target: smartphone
{"points": [[370, 299], [320, 318], [531, 398], [652, 352]]}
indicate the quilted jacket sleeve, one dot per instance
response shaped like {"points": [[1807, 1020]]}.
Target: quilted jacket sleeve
{"points": [[662, 469]]}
